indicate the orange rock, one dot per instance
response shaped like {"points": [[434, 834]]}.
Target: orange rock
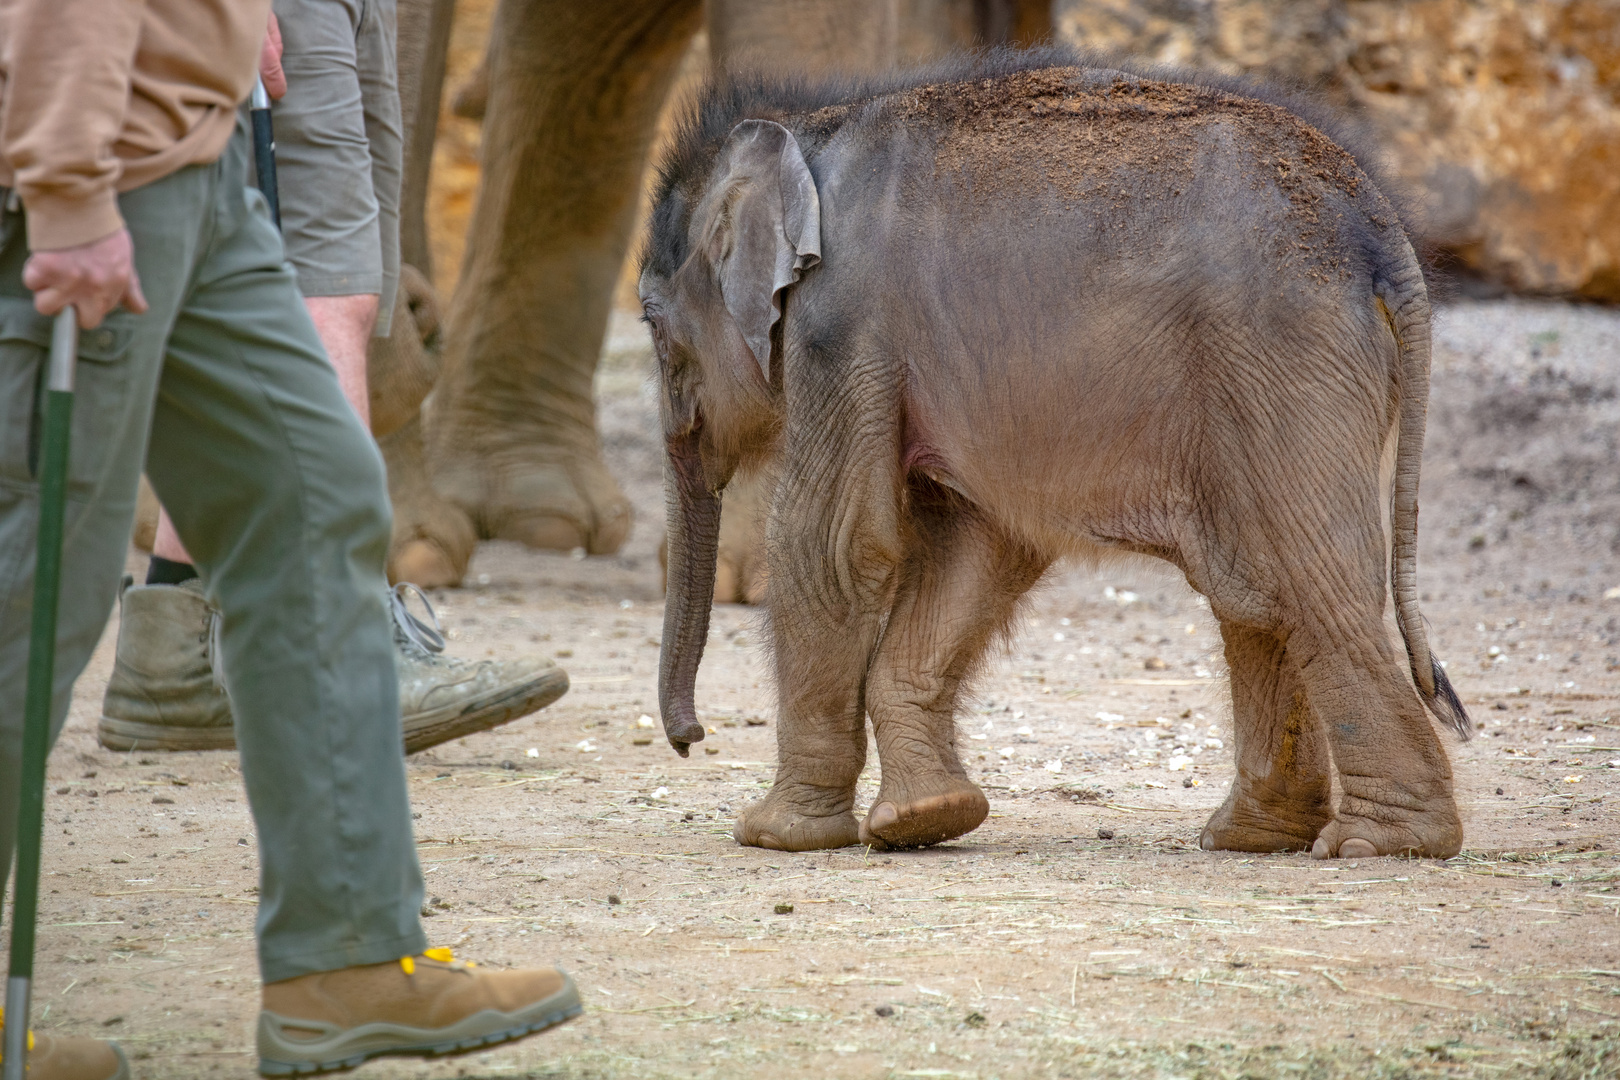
{"points": [[1502, 116]]}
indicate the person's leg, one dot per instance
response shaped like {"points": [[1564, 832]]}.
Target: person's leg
{"points": [[115, 382], [331, 215], [278, 493], [376, 61], [344, 324]]}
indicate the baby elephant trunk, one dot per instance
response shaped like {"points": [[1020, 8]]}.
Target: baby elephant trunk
{"points": [[693, 528]]}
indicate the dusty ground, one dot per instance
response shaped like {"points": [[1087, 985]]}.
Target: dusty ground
{"points": [[1031, 947]]}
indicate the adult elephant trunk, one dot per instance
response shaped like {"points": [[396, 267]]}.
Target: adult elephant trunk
{"points": [[693, 524]]}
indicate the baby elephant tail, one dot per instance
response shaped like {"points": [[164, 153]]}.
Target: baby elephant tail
{"points": [[1409, 322]]}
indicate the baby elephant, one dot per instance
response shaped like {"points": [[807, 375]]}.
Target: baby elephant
{"points": [[1021, 310]]}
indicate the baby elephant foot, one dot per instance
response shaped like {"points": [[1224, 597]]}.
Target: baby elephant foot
{"points": [[1435, 834], [782, 822], [920, 816], [1249, 823]]}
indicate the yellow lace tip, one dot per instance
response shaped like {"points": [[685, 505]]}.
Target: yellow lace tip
{"points": [[407, 965], [442, 955], [3, 1024]]}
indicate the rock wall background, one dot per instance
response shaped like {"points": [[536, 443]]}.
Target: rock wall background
{"points": [[1502, 117]]}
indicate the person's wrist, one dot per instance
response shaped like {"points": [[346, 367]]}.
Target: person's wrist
{"points": [[57, 223]]}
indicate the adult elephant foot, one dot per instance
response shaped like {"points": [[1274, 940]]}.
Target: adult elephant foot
{"points": [[549, 497], [1361, 830], [1257, 819], [739, 572], [917, 814], [790, 819], [433, 539]]}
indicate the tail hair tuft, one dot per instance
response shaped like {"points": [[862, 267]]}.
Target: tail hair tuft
{"points": [[1447, 706]]}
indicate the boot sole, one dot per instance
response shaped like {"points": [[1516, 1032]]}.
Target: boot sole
{"points": [[432, 728], [116, 734], [356, 1046], [421, 731]]}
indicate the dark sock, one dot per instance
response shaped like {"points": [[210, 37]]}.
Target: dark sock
{"points": [[161, 571]]}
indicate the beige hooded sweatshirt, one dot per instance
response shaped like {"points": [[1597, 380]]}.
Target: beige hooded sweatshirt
{"points": [[102, 96]]}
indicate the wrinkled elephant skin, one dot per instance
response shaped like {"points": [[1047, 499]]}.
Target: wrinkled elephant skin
{"points": [[569, 94], [1170, 320]]}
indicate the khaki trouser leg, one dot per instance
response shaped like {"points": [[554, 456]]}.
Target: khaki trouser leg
{"points": [[278, 494]]}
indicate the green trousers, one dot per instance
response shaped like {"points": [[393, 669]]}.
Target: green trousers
{"points": [[223, 391]]}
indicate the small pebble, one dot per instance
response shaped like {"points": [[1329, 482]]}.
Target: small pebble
{"points": [[884, 1010], [613, 900], [1105, 834], [162, 800]]}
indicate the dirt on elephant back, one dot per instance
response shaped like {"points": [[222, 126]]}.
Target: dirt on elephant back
{"points": [[1080, 932], [1108, 138]]}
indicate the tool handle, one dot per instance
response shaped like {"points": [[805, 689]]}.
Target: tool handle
{"points": [[264, 148], [41, 684], [64, 350]]}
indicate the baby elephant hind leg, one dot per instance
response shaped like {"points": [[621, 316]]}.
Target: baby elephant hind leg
{"points": [[1282, 795], [1394, 778], [957, 590]]}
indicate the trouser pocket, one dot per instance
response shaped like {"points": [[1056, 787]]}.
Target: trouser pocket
{"points": [[100, 397]]}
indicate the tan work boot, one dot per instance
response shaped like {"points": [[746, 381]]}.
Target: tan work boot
{"points": [[57, 1057], [424, 1006], [166, 692]]}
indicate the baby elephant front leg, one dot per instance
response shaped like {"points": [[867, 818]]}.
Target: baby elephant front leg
{"points": [[956, 591], [925, 796]]}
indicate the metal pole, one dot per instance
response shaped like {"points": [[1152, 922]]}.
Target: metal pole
{"points": [[41, 679], [264, 148]]}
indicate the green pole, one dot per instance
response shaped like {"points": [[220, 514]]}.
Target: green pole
{"points": [[41, 677]]}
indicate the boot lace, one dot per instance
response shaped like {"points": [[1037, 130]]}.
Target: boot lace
{"points": [[443, 955], [31, 1030], [216, 656], [429, 639], [407, 627]]}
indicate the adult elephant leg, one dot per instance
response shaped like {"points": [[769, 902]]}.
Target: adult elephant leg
{"points": [[957, 590], [424, 50], [432, 541], [574, 99], [1281, 796]]}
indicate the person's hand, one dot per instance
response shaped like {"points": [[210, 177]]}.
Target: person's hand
{"points": [[275, 80], [94, 278]]}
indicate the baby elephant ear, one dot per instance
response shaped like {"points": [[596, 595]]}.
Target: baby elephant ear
{"points": [[768, 228]]}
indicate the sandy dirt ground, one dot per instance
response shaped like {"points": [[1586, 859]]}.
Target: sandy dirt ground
{"points": [[1079, 932]]}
